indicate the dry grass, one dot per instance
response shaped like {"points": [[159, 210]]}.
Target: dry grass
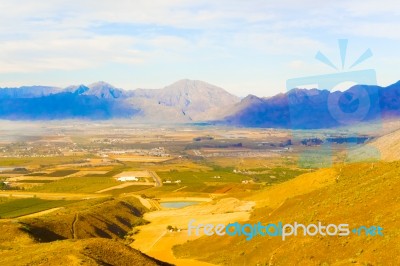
{"points": [[365, 194], [104, 218], [71, 253]]}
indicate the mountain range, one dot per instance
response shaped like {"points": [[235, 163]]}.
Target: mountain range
{"points": [[194, 101], [313, 108]]}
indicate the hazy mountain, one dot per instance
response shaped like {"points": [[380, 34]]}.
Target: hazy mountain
{"points": [[302, 108], [184, 100], [64, 105], [27, 92]]}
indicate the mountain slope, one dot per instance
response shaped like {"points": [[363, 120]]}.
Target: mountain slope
{"points": [[386, 147]]}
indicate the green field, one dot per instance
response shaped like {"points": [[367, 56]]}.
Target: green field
{"points": [[11, 208], [61, 173], [130, 189], [56, 160], [34, 181], [277, 175], [191, 177], [226, 175], [77, 185]]}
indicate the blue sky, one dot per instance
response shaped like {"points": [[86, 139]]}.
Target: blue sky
{"points": [[243, 46]]}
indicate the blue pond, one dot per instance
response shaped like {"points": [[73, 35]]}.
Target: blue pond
{"points": [[177, 204]]}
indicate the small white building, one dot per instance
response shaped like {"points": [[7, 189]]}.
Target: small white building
{"points": [[127, 178]]}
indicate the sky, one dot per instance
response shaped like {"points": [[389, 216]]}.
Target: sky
{"points": [[245, 47]]}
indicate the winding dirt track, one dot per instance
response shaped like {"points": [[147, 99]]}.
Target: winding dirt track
{"points": [[73, 227]]}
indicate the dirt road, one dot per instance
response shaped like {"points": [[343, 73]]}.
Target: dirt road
{"points": [[157, 179]]}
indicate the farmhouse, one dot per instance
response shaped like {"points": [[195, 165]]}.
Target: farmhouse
{"points": [[127, 178]]}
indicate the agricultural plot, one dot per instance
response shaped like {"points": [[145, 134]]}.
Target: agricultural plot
{"points": [[11, 208], [275, 175], [128, 189], [77, 185], [62, 173], [138, 158]]}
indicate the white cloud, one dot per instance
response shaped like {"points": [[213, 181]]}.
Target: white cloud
{"points": [[60, 35]]}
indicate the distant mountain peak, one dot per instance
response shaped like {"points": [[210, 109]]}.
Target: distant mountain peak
{"points": [[77, 89], [184, 100], [250, 100], [101, 84], [104, 90]]}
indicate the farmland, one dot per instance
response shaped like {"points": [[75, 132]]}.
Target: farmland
{"points": [[11, 208], [98, 172], [76, 185]]}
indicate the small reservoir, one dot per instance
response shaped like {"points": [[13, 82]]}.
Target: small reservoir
{"points": [[177, 204]]}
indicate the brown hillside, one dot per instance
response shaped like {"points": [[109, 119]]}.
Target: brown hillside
{"points": [[75, 252], [84, 233], [364, 194], [105, 218]]}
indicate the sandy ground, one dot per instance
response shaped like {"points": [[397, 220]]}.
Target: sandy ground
{"points": [[154, 239]]}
